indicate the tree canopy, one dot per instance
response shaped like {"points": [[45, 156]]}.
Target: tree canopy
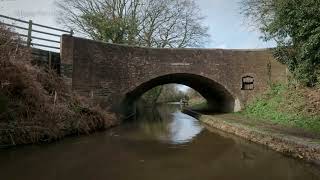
{"points": [[295, 26], [149, 23]]}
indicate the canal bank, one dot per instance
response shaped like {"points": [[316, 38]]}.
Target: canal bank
{"points": [[288, 141], [285, 118]]}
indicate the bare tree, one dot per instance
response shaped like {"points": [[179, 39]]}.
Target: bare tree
{"points": [[148, 23], [170, 93]]}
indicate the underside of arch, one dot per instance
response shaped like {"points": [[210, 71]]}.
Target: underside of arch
{"points": [[218, 97]]}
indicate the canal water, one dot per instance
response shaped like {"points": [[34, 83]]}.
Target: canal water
{"points": [[161, 144]]}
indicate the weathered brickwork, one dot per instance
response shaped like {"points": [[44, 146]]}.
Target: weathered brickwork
{"points": [[45, 58], [114, 74]]}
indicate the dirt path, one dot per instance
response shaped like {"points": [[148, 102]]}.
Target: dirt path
{"points": [[289, 141]]}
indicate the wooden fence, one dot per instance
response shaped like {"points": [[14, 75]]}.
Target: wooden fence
{"points": [[47, 37]]}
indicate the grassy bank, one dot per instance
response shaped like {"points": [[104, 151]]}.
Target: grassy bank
{"points": [[36, 105], [292, 142], [287, 105]]}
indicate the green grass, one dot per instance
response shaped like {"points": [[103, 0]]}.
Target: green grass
{"points": [[285, 106]]}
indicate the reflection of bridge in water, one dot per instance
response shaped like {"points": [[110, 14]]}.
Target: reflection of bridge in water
{"points": [[174, 146]]}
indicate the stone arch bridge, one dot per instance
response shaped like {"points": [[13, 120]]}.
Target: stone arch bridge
{"points": [[117, 75]]}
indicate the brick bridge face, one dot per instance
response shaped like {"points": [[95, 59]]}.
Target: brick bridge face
{"points": [[117, 75]]}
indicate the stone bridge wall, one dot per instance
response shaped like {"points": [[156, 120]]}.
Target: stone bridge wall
{"points": [[108, 72]]}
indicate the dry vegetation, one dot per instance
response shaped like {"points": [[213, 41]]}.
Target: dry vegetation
{"points": [[36, 105]]}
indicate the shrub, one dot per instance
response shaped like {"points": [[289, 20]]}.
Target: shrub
{"points": [[36, 104]]}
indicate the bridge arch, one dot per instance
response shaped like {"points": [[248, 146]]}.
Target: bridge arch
{"points": [[111, 74], [219, 98]]}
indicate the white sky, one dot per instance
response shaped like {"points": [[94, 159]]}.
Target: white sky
{"points": [[228, 28]]}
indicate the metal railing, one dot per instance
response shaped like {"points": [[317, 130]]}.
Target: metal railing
{"points": [[36, 35]]}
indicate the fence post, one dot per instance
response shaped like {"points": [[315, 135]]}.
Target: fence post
{"points": [[29, 34], [50, 60]]}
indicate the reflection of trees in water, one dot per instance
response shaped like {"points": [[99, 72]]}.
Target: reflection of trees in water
{"points": [[156, 121]]}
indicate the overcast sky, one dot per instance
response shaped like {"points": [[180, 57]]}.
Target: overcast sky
{"points": [[227, 27]]}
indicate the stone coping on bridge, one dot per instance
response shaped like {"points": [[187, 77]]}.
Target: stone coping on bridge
{"points": [[187, 48]]}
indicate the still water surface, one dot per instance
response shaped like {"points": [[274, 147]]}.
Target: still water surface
{"points": [[162, 144]]}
